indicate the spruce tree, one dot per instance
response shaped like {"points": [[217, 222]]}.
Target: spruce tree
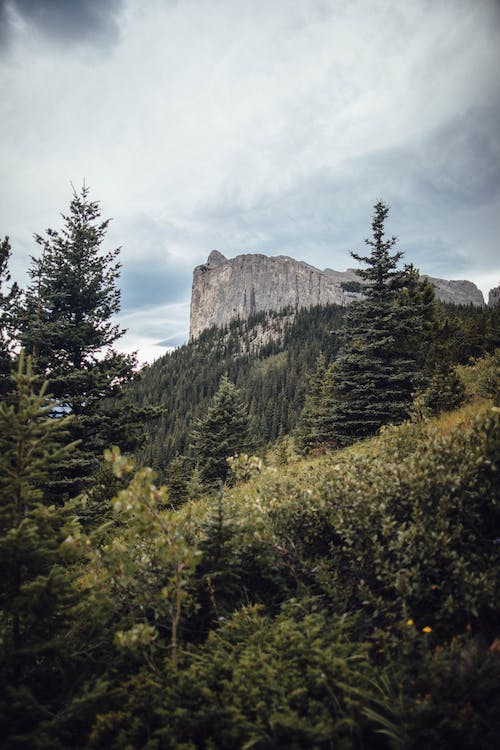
{"points": [[445, 390], [442, 388], [67, 327], [195, 488], [176, 480], [314, 425], [219, 573], [39, 546], [223, 432], [8, 300], [418, 299], [376, 370]]}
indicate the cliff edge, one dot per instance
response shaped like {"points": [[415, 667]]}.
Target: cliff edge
{"points": [[224, 289]]}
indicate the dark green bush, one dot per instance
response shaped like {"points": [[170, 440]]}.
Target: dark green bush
{"points": [[261, 682]]}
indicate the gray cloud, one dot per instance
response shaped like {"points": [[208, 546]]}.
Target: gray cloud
{"points": [[253, 127], [152, 283], [4, 25], [151, 272], [64, 21], [462, 159], [444, 193]]}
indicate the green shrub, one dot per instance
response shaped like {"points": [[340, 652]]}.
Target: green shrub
{"points": [[404, 523], [482, 378], [343, 602], [260, 682], [429, 696]]}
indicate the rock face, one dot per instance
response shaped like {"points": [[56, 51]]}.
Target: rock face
{"points": [[494, 296], [240, 287], [457, 292]]}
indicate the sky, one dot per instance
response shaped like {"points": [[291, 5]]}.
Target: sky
{"points": [[245, 127]]}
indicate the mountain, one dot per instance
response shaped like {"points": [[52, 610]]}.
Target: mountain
{"points": [[225, 289], [494, 296]]}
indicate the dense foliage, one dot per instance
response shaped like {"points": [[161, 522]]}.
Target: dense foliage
{"points": [[270, 376], [38, 550], [309, 607], [274, 378]]}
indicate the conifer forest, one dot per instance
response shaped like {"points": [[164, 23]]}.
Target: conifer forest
{"points": [[247, 545]]}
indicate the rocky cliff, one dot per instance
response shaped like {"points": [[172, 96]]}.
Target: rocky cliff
{"points": [[240, 287], [494, 296]]}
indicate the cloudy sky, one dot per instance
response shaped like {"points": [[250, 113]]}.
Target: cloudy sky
{"points": [[252, 127]]}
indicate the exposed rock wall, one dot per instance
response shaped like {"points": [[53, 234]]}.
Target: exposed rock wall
{"points": [[494, 296], [240, 287], [457, 292]]}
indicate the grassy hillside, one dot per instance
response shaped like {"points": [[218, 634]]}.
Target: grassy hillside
{"points": [[350, 600]]}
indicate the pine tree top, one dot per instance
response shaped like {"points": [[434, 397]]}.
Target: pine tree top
{"points": [[382, 277]]}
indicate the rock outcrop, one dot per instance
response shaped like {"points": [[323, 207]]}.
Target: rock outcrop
{"points": [[494, 296], [457, 292], [225, 289]]}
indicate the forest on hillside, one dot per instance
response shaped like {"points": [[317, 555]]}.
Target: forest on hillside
{"points": [[289, 546], [274, 379]]}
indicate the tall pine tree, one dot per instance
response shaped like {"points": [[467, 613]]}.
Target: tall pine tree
{"points": [[314, 425], [223, 432], [8, 300], [67, 327], [376, 370], [40, 545]]}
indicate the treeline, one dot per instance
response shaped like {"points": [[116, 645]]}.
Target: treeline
{"points": [[274, 380]]}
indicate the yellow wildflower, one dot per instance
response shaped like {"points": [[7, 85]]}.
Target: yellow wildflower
{"points": [[409, 622], [427, 629]]}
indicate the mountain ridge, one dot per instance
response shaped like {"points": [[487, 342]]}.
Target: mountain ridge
{"points": [[227, 288]]}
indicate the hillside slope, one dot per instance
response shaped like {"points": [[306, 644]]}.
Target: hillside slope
{"points": [[350, 601], [270, 358]]}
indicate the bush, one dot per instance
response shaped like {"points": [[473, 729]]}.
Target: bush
{"points": [[482, 378], [260, 682], [406, 523], [347, 601]]}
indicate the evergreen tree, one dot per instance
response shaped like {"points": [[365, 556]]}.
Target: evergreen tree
{"points": [[218, 574], [376, 371], [8, 300], [67, 327], [194, 488], [441, 386], [445, 390], [282, 453], [177, 480], [313, 426], [223, 432], [39, 544], [419, 299]]}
